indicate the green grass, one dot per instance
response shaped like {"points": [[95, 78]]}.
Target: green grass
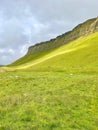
{"points": [[48, 101], [54, 90], [28, 58]]}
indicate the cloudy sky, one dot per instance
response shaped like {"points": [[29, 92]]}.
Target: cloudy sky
{"points": [[26, 22]]}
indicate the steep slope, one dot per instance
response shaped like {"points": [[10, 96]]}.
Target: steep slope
{"points": [[79, 55], [40, 50]]}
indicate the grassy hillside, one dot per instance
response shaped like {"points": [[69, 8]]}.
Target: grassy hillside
{"points": [[79, 55], [28, 58]]}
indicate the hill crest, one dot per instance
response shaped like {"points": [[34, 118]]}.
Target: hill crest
{"points": [[86, 28]]}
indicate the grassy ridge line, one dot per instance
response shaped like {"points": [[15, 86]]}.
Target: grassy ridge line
{"points": [[73, 46]]}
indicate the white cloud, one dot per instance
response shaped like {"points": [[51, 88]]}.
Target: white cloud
{"points": [[23, 49], [11, 51]]}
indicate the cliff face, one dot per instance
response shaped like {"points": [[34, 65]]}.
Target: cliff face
{"points": [[88, 27]]}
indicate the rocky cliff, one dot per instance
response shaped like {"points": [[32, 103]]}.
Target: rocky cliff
{"points": [[88, 27]]}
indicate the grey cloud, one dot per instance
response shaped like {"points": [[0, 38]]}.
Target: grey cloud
{"points": [[26, 22]]}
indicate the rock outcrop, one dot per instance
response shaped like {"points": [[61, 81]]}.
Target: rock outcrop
{"points": [[86, 28]]}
